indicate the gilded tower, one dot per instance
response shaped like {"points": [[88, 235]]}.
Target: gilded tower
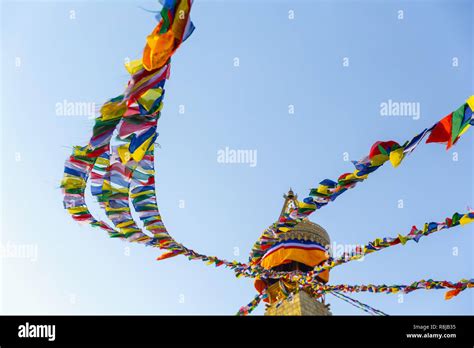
{"points": [[302, 248]]}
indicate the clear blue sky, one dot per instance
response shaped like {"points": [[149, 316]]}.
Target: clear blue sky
{"points": [[48, 58]]}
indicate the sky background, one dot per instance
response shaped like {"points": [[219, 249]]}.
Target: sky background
{"points": [[50, 55]]}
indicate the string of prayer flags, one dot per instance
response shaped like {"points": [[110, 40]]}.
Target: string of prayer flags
{"points": [[448, 130], [118, 161], [247, 309], [430, 284]]}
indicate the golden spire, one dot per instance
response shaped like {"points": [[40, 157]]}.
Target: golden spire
{"points": [[291, 201]]}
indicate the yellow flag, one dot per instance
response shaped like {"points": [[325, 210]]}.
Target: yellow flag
{"points": [[111, 110], [140, 151], [125, 224], [128, 230], [138, 194], [116, 210], [134, 66], [149, 97], [323, 189], [181, 18], [102, 161], [466, 127], [378, 160], [76, 210], [396, 156], [106, 186], [70, 182], [466, 220], [304, 205], [470, 102], [403, 239], [123, 153], [79, 151]]}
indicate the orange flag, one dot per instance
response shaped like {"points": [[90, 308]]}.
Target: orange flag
{"points": [[451, 293], [169, 254]]}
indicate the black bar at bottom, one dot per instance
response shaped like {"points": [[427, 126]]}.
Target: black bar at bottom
{"points": [[137, 330]]}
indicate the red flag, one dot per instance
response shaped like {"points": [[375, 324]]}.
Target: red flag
{"points": [[441, 132]]}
